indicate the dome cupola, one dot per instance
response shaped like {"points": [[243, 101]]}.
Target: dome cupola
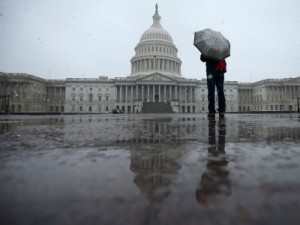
{"points": [[156, 52]]}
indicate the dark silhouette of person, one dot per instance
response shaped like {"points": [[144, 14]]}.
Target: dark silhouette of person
{"points": [[215, 79], [215, 180]]}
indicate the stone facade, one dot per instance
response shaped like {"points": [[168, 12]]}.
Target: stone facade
{"points": [[270, 95], [28, 93], [90, 95]]}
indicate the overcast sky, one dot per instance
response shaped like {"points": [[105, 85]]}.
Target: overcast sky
{"points": [[58, 39]]}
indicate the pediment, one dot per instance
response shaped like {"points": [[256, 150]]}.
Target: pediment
{"points": [[156, 77]]}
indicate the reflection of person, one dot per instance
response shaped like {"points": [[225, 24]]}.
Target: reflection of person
{"points": [[215, 78], [215, 179]]}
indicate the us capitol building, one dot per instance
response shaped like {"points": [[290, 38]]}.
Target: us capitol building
{"points": [[154, 85]]}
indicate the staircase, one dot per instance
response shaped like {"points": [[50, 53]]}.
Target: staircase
{"points": [[156, 107]]}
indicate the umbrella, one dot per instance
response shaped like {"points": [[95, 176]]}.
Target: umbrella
{"points": [[212, 44]]}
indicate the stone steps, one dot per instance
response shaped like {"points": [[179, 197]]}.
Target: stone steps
{"points": [[156, 107]]}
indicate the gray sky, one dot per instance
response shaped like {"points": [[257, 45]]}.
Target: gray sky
{"points": [[60, 39]]}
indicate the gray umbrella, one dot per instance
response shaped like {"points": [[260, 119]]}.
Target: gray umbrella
{"points": [[212, 44]]}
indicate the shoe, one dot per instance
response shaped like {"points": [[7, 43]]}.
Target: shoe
{"points": [[211, 114], [222, 114]]}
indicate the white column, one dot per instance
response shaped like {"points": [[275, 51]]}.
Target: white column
{"points": [[131, 94], [180, 94], [186, 93], [285, 92], [116, 93], [153, 94], [159, 94], [194, 94], [126, 93], [143, 93], [170, 96], [148, 94], [121, 97], [294, 92], [165, 93]]}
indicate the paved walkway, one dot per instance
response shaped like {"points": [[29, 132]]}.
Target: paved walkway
{"points": [[150, 169]]}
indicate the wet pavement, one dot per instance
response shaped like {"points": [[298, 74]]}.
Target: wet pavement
{"points": [[150, 169]]}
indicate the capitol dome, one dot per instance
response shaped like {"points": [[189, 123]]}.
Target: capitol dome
{"points": [[156, 52]]}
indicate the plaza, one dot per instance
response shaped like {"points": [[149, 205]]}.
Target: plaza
{"points": [[150, 169]]}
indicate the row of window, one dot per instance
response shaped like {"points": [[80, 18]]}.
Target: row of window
{"points": [[156, 50], [89, 108], [259, 98], [225, 90], [35, 108], [23, 85], [156, 35], [100, 98], [271, 108], [278, 89], [91, 89]]}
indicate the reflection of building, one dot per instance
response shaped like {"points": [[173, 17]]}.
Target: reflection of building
{"points": [[155, 77], [156, 166], [154, 171]]}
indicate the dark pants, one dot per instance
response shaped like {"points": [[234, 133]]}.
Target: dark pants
{"points": [[216, 80]]}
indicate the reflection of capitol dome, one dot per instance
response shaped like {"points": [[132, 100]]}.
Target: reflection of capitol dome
{"points": [[155, 170], [156, 52]]}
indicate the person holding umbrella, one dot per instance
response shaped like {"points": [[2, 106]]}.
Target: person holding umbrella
{"points": [[215, 78], [214, 48]]}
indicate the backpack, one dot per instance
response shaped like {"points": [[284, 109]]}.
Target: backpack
{"points": [[221, 67]]}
